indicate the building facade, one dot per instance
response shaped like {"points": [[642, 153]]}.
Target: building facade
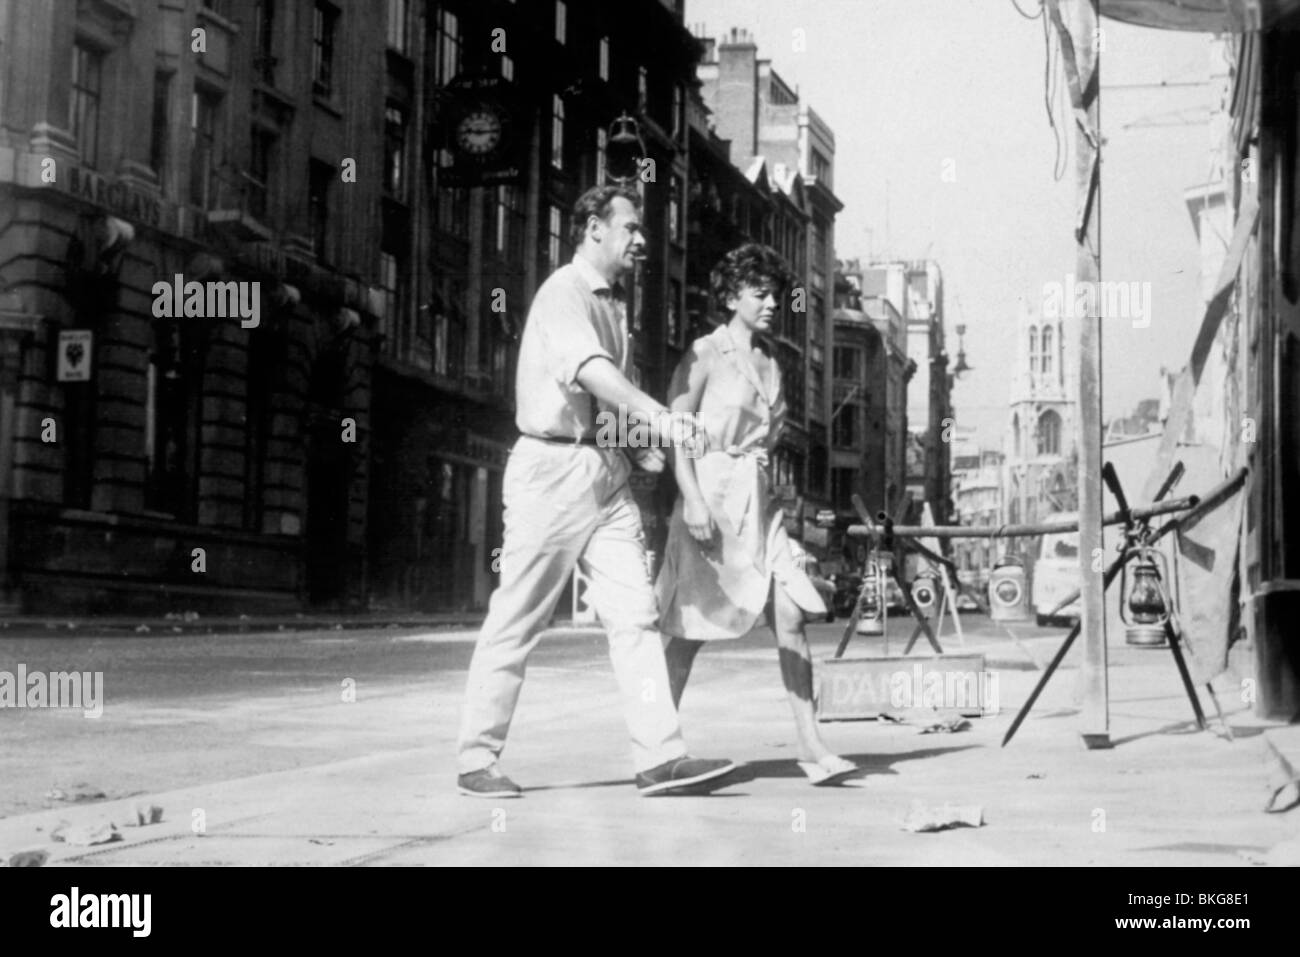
{"points": [[346, 449], [467, 257], [915, 290], [1041, 477], [769, 129], [176, 456]]}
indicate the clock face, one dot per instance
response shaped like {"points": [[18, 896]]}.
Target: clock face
{"points": [[479, 132]]}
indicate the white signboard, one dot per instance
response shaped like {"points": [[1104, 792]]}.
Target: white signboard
{"points": [[75, 349]]}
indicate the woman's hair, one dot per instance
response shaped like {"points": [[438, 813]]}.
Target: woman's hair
{"points": [[752, 264]]}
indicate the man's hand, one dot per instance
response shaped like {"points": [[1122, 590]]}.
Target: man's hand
{"points": [[686, 433], [648, 459]]}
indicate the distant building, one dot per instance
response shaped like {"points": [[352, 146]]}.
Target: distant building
{"points": [[1041, 453], [870, 375], [977, 497], [915, 290]]}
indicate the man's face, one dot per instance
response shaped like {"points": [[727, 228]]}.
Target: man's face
{"points": [[620, 237]]}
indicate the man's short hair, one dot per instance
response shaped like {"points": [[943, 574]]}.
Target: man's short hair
{"points": [[752, 264], [597, 202]]}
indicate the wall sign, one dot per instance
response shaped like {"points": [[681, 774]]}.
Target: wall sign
{"points": [[75, 349]]}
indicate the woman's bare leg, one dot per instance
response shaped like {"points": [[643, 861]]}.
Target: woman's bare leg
{"points": [[679, 653], [796, 671]]}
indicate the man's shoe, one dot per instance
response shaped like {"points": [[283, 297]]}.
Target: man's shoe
{"points": [[680, 773], [488, 783]]}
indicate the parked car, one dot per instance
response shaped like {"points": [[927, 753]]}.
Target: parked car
{"points": [[1056, 574]]}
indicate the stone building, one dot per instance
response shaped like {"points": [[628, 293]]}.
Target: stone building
{"points": [[188, 460]]}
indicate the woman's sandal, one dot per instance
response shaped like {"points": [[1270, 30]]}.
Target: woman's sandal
{"points": [[831, 769]]}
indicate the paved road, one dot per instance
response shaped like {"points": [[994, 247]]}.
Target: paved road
{"points": [[184, 709]]}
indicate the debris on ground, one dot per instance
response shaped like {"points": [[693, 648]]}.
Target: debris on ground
{"points": [[76, 794], [142, 629], [1035, 776], [1283, 782], [890, 718], [26, 859], [140, 815], [939, 818], [87, 835], [951, 726]]}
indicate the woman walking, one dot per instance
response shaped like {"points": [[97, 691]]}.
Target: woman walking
{"points": [[728, 558]]}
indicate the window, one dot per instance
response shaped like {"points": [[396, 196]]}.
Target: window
{"points": [[506, 65], [553, 240], [397, 19], [259, 171], [817, 386], [642, 88], [674, 312], [388, 281], [846, 363], [820, 167], [318, 186], [1033, 350], [394, 151], [842, 488], [820, 250], [87, 88], [264, 27], [1049, 433], [453, 204], [172, 414], [204, 107], [160, 134], [602, 154], [324, 22], [675, 210], [844, 430], [603, 59], [1047, 351], [679, 111], [449, 47], [557, 131], [561, 21], [817, 329], [510, 223]]}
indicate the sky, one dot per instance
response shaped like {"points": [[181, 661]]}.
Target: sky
{"points": [[914, 89]]}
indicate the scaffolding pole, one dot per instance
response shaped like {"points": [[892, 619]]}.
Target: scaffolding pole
{"points": [[1079, 41]]}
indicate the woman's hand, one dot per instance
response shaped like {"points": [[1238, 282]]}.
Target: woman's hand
{"points": [[698, 520]]}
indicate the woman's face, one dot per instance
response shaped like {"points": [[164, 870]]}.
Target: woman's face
{"points": [[755, 306]]}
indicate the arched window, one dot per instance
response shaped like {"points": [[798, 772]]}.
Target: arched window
{"points": [[1049, 433], [1047, 350], [1033, 350], [1015, 435]]}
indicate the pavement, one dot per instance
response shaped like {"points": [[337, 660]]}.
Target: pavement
{"points": [[370, 781]]}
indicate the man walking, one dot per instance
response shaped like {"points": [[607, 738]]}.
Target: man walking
{"points": [[567, 504]]}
